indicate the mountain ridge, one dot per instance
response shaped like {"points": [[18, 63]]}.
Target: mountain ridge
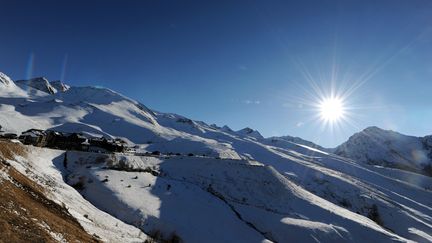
{"points": [[92, 93], [377, 146], [235, 186], [74, 95]]}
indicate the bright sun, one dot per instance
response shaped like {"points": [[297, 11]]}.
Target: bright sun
{"points": [[332, 109]]}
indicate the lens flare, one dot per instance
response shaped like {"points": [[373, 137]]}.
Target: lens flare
{"points": [[331, 109]]}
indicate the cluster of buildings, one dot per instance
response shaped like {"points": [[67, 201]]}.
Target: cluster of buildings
{"points": [[69, 141]]}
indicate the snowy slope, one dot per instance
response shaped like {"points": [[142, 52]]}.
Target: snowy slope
{"points": [[8, 87], [5, 80], [252, 202], [289, 141], [45, 167], [381, 147], [237, 186], [100, 111]]}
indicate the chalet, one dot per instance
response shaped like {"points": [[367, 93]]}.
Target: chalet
{"points": [[34, 137], [9, 136], [103, 145], [85, 146], [67, 141], [131, 150], [97, 145], [70, 141], [75, 141], [120, 145], [57, 140]]}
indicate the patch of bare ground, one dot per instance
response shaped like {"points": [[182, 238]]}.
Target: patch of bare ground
{"points": [[26, 214], [9, 150]]}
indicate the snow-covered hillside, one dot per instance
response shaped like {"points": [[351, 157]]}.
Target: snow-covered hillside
{"points": [[104, 112], [44, 167], [388, 148], [213, 184], [289, 141], [253, 202]]}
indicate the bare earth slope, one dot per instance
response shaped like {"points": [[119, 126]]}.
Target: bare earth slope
{"points": [[27, 215]]}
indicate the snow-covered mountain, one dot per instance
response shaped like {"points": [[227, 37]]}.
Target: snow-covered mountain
{"points": [[249, 132], [5, 80], [59, 85], [40, 83], [388, 148], [210, 184]]}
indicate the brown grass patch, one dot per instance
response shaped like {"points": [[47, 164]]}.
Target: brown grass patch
{"points": [[8, 150]]}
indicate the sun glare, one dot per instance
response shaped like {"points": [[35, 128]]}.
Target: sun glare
{"points": [[331, 109], [329, 100]]}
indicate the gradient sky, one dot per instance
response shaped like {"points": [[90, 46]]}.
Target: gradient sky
{"points": [[240, 63]]}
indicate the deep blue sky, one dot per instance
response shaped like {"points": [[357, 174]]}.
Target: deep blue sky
{"points": [[240, 63]]}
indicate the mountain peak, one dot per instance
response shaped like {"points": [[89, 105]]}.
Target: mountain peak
{"points": [[5, 80], [59, 85], [226, 128], [247, 131], [377, 146], [373, 128], [39, 83]]}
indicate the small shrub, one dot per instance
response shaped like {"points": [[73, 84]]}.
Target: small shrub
{"points": [[374, 215], [157, 236], [190, 154], [79, 185], [174, 238], [345, 203], [65, 161]]}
